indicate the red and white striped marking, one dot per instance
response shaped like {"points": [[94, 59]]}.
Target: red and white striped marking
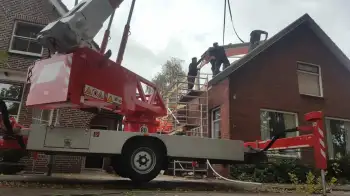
{"points": [[322, 144]]}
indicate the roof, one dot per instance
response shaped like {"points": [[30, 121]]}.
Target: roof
{"points": [[62, 9], [305, 19]]}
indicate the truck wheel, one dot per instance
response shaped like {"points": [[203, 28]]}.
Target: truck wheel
{"points": [[143, 161], [11, 169], [119, 166]]}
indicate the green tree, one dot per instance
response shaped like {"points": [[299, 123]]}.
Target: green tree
{"points": [[171, 72]]}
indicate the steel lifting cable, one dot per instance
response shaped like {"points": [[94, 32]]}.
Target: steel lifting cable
{"points": [[223, 30], [231, 180], [234, 29]]}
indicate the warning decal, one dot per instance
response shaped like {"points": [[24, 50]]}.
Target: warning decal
{"points": [[114, 99], [94, 92]]}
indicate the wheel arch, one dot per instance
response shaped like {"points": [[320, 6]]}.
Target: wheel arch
{"points": [[154, 140]]}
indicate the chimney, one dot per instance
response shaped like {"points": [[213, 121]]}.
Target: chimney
{"points": [[255, 38]]}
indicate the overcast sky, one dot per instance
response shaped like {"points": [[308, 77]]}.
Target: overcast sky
{"points": [[161, 29]]}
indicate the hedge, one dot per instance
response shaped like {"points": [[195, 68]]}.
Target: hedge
{"points": [[276, 171]]}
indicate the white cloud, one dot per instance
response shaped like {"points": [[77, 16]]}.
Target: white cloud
{"points": [[185, 28]]}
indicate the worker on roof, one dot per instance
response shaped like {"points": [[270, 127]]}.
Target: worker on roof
{"points": [[211, 59], [192, 72], [219, 53]]}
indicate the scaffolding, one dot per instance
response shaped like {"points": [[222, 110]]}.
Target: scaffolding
{"points": [[188, 108], [188, 113]]}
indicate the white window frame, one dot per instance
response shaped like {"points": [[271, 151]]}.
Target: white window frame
{"points": [[328, 133], [41, 117], [298, 154], [12, 39], [2, 81], [310, 73], [214, 121]]}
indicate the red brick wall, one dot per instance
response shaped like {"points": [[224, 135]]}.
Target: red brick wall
{"points": [[218, 97], [40, 12], [34, 11], [270, 81]]}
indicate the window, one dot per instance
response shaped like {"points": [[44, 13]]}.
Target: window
{"points": [[11, 93], [309, 79], [40, 116], [271, 120], [102, 127], [216, 119], [23, 39], [338, 137]]}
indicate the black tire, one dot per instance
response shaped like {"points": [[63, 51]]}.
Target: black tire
{"points": [[119, 167], [11, 169], [143, 161]]}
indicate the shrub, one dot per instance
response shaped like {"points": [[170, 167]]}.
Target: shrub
{"points": [[278, 170]]}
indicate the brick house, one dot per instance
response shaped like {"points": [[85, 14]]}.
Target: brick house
{"points": [[19, 22], [296, 71]]}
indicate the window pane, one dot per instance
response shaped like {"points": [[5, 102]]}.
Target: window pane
{"points": [[309, 84], [338, 138], [290, 122], [27, 30], [20, 44], [36, 121], [35, 47], [329, 140], [273, 121], [308, 68], [12, 92], [216, 129], [264, 125], [216, 114], [36, 113], [26, 45], [45, 116], [12, 107], [347, 133], [98, 127]]}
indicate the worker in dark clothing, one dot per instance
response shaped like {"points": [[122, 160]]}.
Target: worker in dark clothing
{"points": [[192, 72], [208, 56], [220, 58]]}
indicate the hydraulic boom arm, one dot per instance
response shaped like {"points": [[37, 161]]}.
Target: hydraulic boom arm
{"points": [[79, 77], [78, 27]]}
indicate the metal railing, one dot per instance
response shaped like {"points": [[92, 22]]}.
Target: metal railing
{"points": [[189, 107], [188, 167]]}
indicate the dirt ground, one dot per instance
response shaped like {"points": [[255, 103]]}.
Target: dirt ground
{"points": [[75, 192], [102, 185]]}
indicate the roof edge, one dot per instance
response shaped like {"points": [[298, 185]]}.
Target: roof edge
{"points": [[256, 51]]}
